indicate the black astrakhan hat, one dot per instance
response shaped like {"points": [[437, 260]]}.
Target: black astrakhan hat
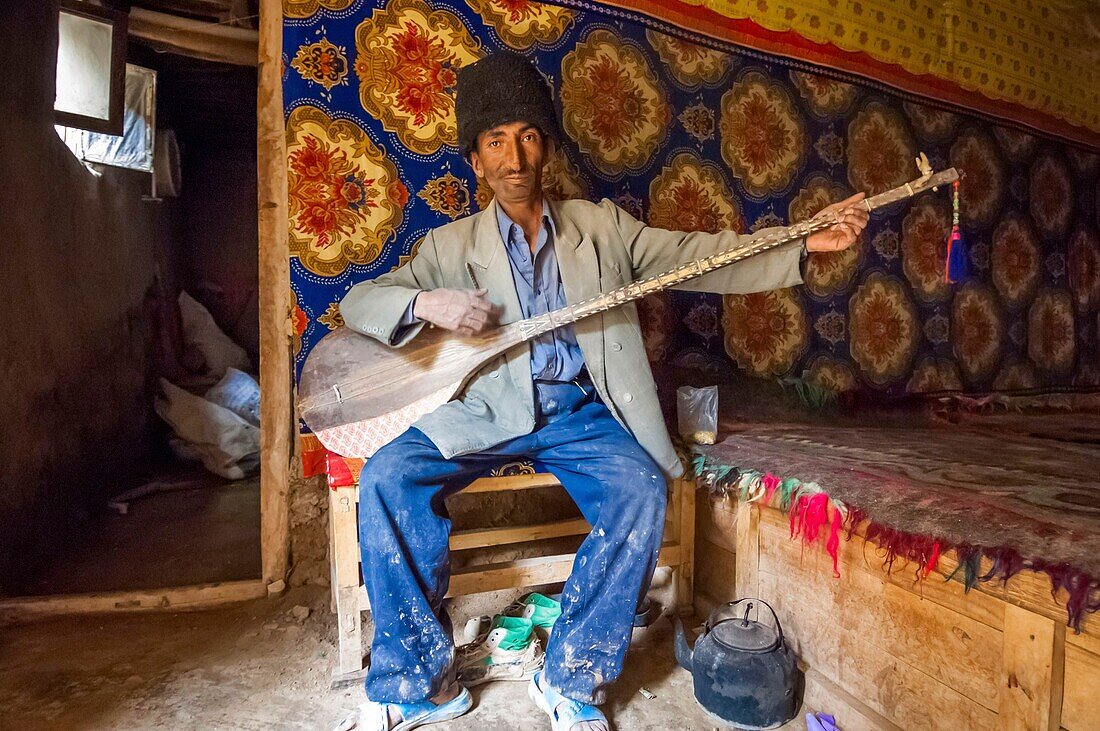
{"points": [[500, 88]]}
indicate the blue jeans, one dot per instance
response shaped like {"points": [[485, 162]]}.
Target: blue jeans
{"points": [[404, 529]]}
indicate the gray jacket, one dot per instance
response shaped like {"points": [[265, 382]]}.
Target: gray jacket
{"points": [[599, 248]]}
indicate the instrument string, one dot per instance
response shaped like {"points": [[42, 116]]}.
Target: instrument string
{"points": [[525, 330]]}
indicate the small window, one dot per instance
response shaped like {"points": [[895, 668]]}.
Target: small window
{"points": [[134, 147], [91, 68]]}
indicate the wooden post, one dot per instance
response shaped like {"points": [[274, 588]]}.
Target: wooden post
{"points": [[685, 573], [276, 414], [1033, 663], [747, 576]]}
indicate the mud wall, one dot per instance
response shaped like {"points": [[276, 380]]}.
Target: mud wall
{"points": [[79, 260]]}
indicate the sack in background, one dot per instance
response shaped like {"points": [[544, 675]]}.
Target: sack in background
{"points": [[202, 333], [697, 414], [226, 444]]}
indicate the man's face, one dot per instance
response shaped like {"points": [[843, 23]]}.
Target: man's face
{"points": [[510, 158]]}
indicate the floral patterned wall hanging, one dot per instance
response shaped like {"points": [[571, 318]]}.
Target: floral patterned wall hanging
{"points": [[694, 135]]}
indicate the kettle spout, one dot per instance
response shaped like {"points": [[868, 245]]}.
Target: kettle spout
{"points": [[683, 649]]}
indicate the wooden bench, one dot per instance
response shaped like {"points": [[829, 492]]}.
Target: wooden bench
{"points": [[350, 596]]}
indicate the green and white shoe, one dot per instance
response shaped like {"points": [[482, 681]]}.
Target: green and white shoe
{"points": [[542, 610], [508, 651]]}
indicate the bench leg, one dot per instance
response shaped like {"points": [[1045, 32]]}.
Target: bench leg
{"points": [[344, 555], [685, 572]]}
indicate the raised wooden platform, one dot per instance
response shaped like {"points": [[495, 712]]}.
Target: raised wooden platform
{"points": [[885, 651]]}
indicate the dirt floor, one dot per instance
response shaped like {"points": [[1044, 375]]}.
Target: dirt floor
{"points": [[255, 666], [203, 529]]}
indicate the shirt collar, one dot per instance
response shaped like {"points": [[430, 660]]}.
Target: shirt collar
{"points": [[506, 224]]}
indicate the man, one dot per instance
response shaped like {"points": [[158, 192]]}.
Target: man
{"points": [[580, 403]]}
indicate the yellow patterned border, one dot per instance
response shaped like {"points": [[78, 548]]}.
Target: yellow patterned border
{"points": [[1032, 62]]}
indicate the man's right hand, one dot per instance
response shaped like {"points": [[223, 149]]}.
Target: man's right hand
{"points": [[465, 311]]}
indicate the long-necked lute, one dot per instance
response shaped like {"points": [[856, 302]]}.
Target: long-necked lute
{"points": [[356, 393]]}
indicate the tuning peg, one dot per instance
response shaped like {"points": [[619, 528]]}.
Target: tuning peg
{"points": [[924, 166]]}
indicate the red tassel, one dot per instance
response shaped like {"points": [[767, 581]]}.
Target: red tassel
{"points": [[933, 560], [808, 516], [853, 521], [816, 515], [771, 484], [798, 510], [957, 266], [832, 546]]}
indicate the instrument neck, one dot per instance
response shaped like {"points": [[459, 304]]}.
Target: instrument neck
{"points": [[535, 326]]}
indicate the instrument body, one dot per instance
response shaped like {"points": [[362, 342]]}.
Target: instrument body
{"points": [[356, 393], [349, 373]]}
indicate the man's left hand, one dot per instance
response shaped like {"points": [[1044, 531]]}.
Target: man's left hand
{"points": [[843, 233]]}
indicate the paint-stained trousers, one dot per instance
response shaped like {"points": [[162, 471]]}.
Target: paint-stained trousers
{"points": [[404, 530]]}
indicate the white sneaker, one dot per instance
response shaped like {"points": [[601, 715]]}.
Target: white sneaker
{"points": [[485, 660]]}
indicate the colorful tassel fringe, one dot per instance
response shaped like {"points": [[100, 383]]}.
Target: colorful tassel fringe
{"points": [[809, 516], [810, 509]]}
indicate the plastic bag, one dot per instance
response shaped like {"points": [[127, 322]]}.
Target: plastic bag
{"points": [[697, 414], [238, 392], [226, 444], [821, 722]]}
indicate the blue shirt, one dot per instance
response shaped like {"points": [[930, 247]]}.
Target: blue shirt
{"points": [[555, 355]]}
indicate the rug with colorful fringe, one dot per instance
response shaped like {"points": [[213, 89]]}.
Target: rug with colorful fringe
{"points": [[1021, 490]]}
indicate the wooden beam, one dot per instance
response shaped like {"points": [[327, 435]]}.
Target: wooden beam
{"points": [[483, 537], [211, 9], [985, 601], [504, 484], [181, 598], [998, 657], [511, 482], [718, 522], [862, 634], [519, 573], [276, 413], [529, 572], [196, 38]]}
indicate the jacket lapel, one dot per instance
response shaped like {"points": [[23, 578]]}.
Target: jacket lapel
{"points": [[494, 273], [580, 276]]}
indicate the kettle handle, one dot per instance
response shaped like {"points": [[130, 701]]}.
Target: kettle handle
{"points": [[711, 624]]}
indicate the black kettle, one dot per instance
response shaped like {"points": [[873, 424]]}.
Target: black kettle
{"points": [[742, 669]]}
